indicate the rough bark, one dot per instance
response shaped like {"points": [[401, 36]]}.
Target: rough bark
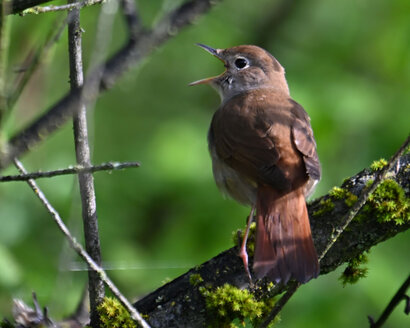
{"points": [[180, 304], [86, 180]]}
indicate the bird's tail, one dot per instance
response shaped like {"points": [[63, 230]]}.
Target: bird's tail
{"points": [[284, 247]]}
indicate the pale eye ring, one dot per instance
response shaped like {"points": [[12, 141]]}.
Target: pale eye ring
{"points": [[241, 63]]}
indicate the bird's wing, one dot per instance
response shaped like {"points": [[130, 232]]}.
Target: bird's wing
{"points": [[245, 133], [304, 141], [268, 139]]}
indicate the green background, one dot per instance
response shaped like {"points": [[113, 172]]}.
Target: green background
{"points": [[347, 63]]}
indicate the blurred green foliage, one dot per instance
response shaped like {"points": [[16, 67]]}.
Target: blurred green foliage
{"points": [[347, 63]]}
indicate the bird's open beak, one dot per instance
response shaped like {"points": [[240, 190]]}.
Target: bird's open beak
{"points": [[214, 52]]}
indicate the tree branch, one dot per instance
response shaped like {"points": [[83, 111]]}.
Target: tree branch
{"points": [[397, 298], [86, 180], [109, 166], [107, 75], [4, 42], [180, 303], [33, 61]]}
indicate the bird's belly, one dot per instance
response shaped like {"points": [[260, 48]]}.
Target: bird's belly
{"points": [[231, 183]]}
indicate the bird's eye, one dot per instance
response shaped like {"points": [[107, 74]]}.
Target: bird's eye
{"points": [[241, 63]]}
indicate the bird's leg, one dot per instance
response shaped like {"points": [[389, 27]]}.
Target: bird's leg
{"points": [[242, 252]]}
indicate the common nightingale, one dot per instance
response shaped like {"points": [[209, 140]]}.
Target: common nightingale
{"points": [[264, 155]]}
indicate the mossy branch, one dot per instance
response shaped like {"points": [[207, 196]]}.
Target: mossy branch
{"points": [[180, 303]]}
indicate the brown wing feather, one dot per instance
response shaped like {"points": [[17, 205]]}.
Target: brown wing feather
{"points": [[305, 142], [249, 141]]}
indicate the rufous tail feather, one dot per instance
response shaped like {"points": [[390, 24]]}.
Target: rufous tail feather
{"points": [[284, 247]]}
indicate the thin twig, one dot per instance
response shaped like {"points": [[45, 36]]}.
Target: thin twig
{"points": [[86, 180], [380, 176], [129, 10], [397, 298], [46, 9], [280, 304], [4, 41], [34, 59], [102, 41], [80, 250], [110, 166]]}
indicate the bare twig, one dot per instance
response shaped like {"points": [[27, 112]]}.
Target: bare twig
{"points": [[34, 59], [99, 54], [293, 287], [4, 40], [110, 166], [397, 298], [86, 180], [80, 250], [108, 73], [347, 219], [129, 10]]}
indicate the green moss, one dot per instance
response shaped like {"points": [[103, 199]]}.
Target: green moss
{"points": [[326, 205], [166, 280], [195, 279], [114, 315], [388, 203], [237, 237], [341, 193], [6, 324], [354, 270], [378, 165], [230, 306]]}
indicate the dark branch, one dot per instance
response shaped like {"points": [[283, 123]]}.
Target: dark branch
{"points": [[397, 298], [179, 303], [129, 10], [33, 61], [293, 287], [85, 179], [107, 75]]}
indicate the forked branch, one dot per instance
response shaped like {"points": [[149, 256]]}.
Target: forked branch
{"points": [[395, 301], [80, 250]]}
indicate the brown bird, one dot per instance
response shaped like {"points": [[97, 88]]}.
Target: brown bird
{"points": [[264, 155]]}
